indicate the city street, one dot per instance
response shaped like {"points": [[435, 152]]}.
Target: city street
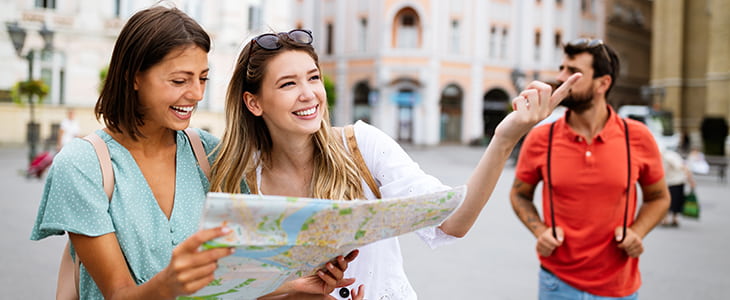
{"points": [[496, 260]]}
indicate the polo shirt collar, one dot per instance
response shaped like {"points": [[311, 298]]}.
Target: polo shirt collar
{"points": [[613, 127]]}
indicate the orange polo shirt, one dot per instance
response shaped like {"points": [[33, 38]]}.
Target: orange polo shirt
{"points": [[589, 184]]}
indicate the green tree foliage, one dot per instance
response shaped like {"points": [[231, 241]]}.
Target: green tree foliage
{"points": [[102, 77], [22, 89], [329, 87]]}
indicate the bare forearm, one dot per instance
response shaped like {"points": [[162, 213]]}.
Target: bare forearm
{"points": [[650, 214], [280, 292], [525, 210], [148, 290], [479, 187]]}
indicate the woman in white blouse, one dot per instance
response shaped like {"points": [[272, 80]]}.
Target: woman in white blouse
{"points": [[278, 138]]}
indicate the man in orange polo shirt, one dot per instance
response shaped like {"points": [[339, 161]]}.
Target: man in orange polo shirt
{"points": [[591, 237]]}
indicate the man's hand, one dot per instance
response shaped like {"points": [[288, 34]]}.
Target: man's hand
{"points": [[546, 242], [632, 243]]}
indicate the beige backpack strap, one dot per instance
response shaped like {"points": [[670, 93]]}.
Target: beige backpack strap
{"points": [[67, 287], [199, 151], [105, 161], [359, 161]]}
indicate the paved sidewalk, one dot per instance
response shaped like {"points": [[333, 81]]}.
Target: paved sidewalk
{"points": [[495, 261]]}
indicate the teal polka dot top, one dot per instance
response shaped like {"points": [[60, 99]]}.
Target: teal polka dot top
{"points": [[74, 201]]}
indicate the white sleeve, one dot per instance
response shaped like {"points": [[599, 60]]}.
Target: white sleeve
{"points": [[398, 175]]}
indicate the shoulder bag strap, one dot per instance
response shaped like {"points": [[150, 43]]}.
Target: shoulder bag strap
{"points": [[66, 289], [359, 161], [105, 162], [199, 151]]}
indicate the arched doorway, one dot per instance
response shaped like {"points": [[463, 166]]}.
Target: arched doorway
{"points": [[405, 97], [361, 108], [495, 108], [451, 99]]}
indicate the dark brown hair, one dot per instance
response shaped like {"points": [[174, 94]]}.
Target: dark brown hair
{"points": [[145, 40], [605, 60]]}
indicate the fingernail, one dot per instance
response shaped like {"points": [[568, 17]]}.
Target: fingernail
{"points": [[225, 230]]}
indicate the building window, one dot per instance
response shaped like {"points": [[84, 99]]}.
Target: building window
{"points": [[193, 9], [558, 39], [330, 39], [503, 44], [363, 46], [407, 31], [254, 17], [50, 4], [117, 8], [493, 42], [455, 37], [537, 45]]}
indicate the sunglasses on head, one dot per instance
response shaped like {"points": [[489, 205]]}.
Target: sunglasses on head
{"points": [[587, 44], [270, 41]]}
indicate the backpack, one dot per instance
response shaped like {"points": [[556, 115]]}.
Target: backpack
{"points": [[67, 287]]}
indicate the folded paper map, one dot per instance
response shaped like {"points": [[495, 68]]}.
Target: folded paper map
{"points": [[281, 238]]}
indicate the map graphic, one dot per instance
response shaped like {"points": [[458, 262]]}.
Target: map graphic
{"points": [[281, 238]]}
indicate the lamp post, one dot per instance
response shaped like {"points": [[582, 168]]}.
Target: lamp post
{"points": [[17, 35], [518, 79]]}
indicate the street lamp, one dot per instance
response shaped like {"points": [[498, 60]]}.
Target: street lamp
{"points": [[518, 79], [17, 35]]}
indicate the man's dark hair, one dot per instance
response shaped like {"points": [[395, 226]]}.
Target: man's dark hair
{"points": [[605, 60]]}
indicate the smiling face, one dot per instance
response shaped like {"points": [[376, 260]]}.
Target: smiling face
{"points": [[292, 98], [170, 90]]}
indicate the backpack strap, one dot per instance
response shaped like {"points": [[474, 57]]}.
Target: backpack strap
{"points": [[359, 161], [105, 162], [198, 150], [70, 267]]}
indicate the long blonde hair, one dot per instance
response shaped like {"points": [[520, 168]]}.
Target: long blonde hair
{"points": [[335, 175]]}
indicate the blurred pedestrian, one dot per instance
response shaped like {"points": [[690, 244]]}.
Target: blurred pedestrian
{"points": [[590, 161], [677, 174], [68, 130]]}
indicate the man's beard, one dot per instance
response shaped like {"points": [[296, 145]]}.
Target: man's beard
{"points": [[578, 102]]}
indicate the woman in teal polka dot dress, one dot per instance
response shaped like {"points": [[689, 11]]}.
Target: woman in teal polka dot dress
{"points": [[143, 244]]}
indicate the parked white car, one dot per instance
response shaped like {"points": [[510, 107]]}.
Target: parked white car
{"points": [[659, 123]]}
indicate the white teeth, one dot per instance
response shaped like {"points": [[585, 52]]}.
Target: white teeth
{"points": [[183, 110], [305, 112]]}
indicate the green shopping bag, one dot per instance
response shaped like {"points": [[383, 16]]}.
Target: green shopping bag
{"points": [[691, 206]]}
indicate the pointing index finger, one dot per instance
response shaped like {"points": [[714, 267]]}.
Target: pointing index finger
{"points": [[200, 237], [564, 89]]}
